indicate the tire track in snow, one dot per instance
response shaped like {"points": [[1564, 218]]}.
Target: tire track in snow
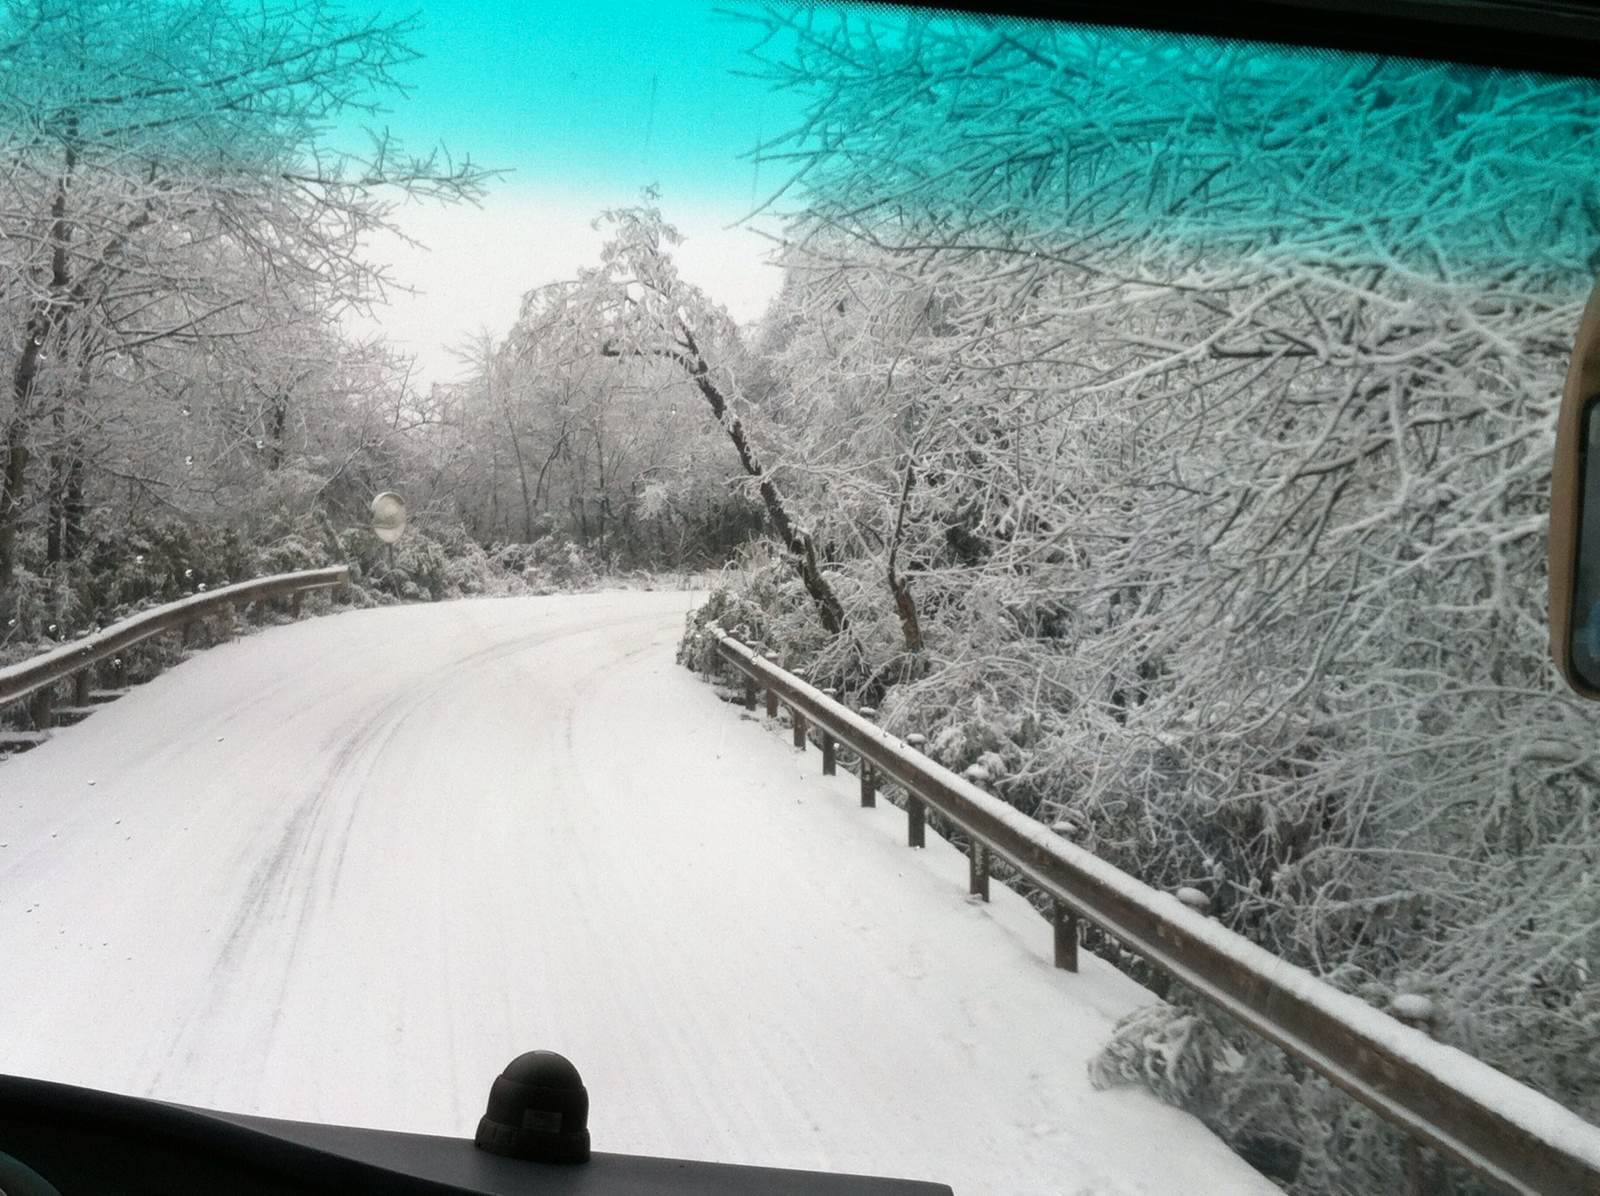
{"points": [[438, 849], [289, 882]]}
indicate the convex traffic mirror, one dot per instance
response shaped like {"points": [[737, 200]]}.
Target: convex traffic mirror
{"points": [[388, 516]]}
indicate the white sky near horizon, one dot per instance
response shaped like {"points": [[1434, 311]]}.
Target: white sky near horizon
{"points": [[478, 263], [584, 104]]}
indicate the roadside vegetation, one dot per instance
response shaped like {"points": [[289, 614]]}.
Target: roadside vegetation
{"points": [[1163, 426]]}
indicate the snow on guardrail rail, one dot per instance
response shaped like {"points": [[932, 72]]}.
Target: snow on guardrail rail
{"points": [[1501, 1128], [36, 678]]}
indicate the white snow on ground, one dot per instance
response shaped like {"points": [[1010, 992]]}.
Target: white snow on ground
{"points": [[344, 870]]}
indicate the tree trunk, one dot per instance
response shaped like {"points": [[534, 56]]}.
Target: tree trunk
{"points": [[280, 417], [802, 548], [516, 449], [66, 531], [65, 535], [13, 481], [75, 510], [527, 498], [539, 495], [905, 605], [42, 321], [56, 498], [601, 505], [494, 488]]}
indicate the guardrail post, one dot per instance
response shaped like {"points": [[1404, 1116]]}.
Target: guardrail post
{"points": [[296, 603], [798, 722], [977, 869], [749, 693], [1065, 923], [40, 709], [869, 785], [1418, 1012], [977, 856], [772, 694], [916, 808], [1458, 1107], [868, 774], [61, 682], [830, 746]]}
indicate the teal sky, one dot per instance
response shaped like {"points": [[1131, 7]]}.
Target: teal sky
{"points": [[584, 103], [593, 96]]}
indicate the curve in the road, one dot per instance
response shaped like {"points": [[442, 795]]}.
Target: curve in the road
{"points": [[344, 870]]}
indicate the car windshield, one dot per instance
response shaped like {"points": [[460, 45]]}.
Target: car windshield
{"points": [[1154, 431]]}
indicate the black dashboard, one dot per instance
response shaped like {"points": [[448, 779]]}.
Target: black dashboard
{"points": [[85, 1142]]}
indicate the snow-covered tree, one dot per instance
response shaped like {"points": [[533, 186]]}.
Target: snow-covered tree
{"points": [[165, 167], [632, 324], [1201, 396]]}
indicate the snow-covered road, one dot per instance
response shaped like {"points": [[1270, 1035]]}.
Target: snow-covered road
{"points": [[344, 870]]}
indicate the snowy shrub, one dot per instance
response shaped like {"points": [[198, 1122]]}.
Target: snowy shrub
{"points": [[39, 616], [512, 558], [550, 565], [429, 564], [560, 564], [122, 570], [731, 611], [294, 551], [746, 603], [1168, 1049]]}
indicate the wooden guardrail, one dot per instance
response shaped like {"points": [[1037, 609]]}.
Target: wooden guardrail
{"points": [[36, 680], [1449, 1100]]}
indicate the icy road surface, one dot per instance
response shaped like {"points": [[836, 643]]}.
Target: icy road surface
{"points": [[344, 870]]}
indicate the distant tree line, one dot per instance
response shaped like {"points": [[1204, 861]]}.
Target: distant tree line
{"points": [[178, 240]]}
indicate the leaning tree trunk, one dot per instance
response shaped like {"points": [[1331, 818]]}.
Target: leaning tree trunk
{"points": [[802, 547]]}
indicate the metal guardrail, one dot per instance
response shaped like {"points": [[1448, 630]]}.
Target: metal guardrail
{"points": [[36, 679], [1501, 1128]]}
